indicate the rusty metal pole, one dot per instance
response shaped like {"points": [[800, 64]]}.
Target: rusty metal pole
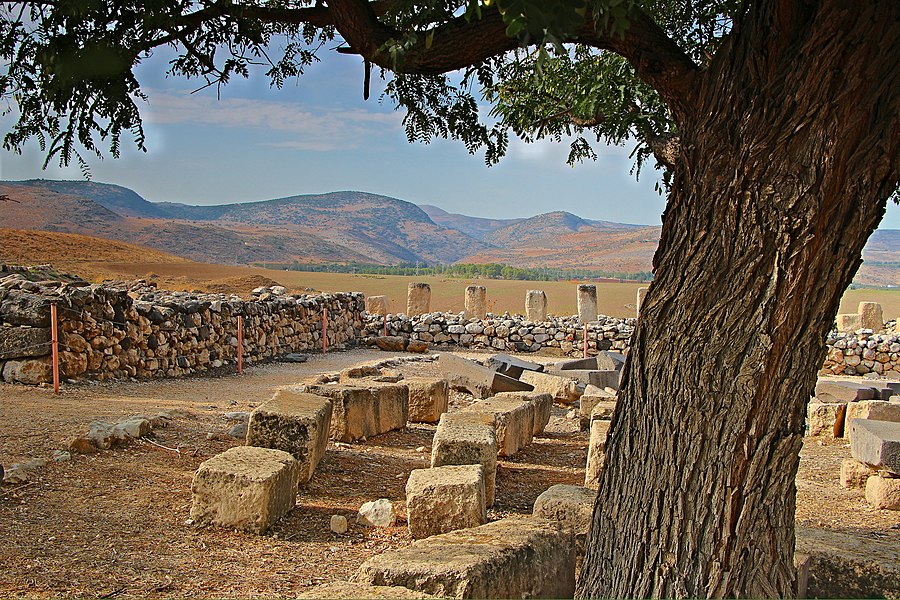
{"points": [[240, 336], [585, 340], [325, 330], [54, 338]]}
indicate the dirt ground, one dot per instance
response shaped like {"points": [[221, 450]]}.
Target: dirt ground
{"points": [[115, 524]]}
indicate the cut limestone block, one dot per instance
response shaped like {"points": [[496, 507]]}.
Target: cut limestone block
{"points": [[572, 507], [543, 404], [596, 453], [377, 305], [592, 397], [346, 590], [535, 306], [870, 316], [509, 558], [883, 492], [479, 381], [468, 439], [876, 443], [246, 488], [587, 303], [563, 389], [511, 366], [428, 399], [514, 419], [595, 377], [878, 410], [829, 391], [822, 419], [847, 322], [444, 499], [842, 565], [360, 412], [295, 422], [855, 473], [476, 301], [418, 299], [577, 364]]}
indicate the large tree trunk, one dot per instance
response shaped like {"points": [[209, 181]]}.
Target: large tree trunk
{"points": [[789, 156]]}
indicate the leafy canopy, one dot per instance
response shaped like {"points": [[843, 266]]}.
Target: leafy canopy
{"points": [[68, 73]]}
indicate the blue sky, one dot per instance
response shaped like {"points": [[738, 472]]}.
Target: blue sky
{"points": [[318, 135]]}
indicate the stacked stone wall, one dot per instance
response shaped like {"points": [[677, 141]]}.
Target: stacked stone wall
{"points": [[863, 352], [119, 331]]}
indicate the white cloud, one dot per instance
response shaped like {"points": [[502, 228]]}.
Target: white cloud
{"points": [[307, 128]]}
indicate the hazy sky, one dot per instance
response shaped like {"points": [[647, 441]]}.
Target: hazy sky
{"points": [[318, 135]]}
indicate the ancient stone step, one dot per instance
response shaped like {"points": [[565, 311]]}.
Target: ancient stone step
{"points": [[245, 487], [468, 439], [446, 498], [360, 412], [479, 381], [876, 443], [298, 423], [514, 419], [509, 558]]}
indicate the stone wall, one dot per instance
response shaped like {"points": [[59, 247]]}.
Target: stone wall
{"points": [[134, 330], [863, 352]]}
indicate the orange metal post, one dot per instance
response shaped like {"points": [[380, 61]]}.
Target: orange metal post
{"points": [[54, 338], [585, 340], [240, 337], [324, 331], [385, 325]]}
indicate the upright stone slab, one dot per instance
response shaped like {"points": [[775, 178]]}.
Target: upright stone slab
{"points": [[587, 302], [444, 499], [876, 443], [245, 487], [377, 305], [295, 422], [513, 418], [479, 381], [476, 301], [428, 399], [543, 405], [563, 389], [596, 453], [418, 299], [509, 558], [871, 316], [848, 322], [535, 306], [360, 412], [468, 439], [641, 294]]}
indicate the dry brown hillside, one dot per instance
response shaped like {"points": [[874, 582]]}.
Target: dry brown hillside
{"points": [[20, 246]]}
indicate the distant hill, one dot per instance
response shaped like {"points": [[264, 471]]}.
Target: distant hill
{"points": [[475, 227]]}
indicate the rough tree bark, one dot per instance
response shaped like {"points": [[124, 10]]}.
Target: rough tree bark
{"points": [[789, 154]]}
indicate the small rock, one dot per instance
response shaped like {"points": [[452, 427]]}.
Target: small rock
{"points": [[100, 434], [295, 357], [211, 436], [421, 449], [339, 523], [239, 430], [160, 421], [133, 428], [61, 456], [82, 445], [15, 474], [417, 346], [378, 513], [34, 464], [240, 416], [390, 343]]}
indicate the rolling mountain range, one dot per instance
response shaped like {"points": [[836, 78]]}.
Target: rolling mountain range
{"points": [[352, 227]]}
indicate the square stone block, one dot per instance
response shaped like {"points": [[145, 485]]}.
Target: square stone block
{"points": [[854, 473], [883, 492], [295, 422], [876, 443], [543, 404], [468, 439], [444, 499], [879, 410], [830, 391], [571, 506], [360, 412], [509, 558], [246, 488], [428, 399], [824, 419], [596, 453], [563, 389], [514, 419]]}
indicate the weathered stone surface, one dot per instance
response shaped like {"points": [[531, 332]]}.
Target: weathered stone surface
{"points": [[870, 316], [417, 346], [377, 305], [245, 488], [883, 492], [587, 302], [345, 590], [24, 342], [854, 473], [132, 428], [479, 381], [338, 524], [391, 343], [848, 322], [610, 361], [428, 399], [513, 418], [377, 513], [72, 364], [594, 396], [876, 443], [352, 374], [543, 404], [840, 565], [577, 364], [444, 499], [468, 439], [509, 558], [563, 389], [569, 505], [821, 418], [476, 301], [25, 308], [535, 306], [82, 445], [878, 410], [30, 372], [831, 391], [511, 366], [418, 299], [596, 453], [295, 422], [100, 434], [598, 378], [641, 294], [359, 412]]}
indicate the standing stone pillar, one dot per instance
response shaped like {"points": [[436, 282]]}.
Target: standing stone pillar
{"points": [[587, 302], [870, 316], [641, 294], [476, 302], [418, 299], [377, 305], [535, 306]]}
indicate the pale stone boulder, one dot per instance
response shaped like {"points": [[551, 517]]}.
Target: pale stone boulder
{"points": [[823, 419], [444, 499], [476, 301], [535, 306], [543, 404], [514, 419], [509, 558], [596, 453], [883, 492], [572, 507], [878, 410], [295, 422], [246, 488], [876, 443], [848, 322], [418, 299], [360, 412], [587, 302], [468, 439], [429, 398], [377, 305], [346, 590], [563, 389], [855, 473], [377, 513], [871, 316]]}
